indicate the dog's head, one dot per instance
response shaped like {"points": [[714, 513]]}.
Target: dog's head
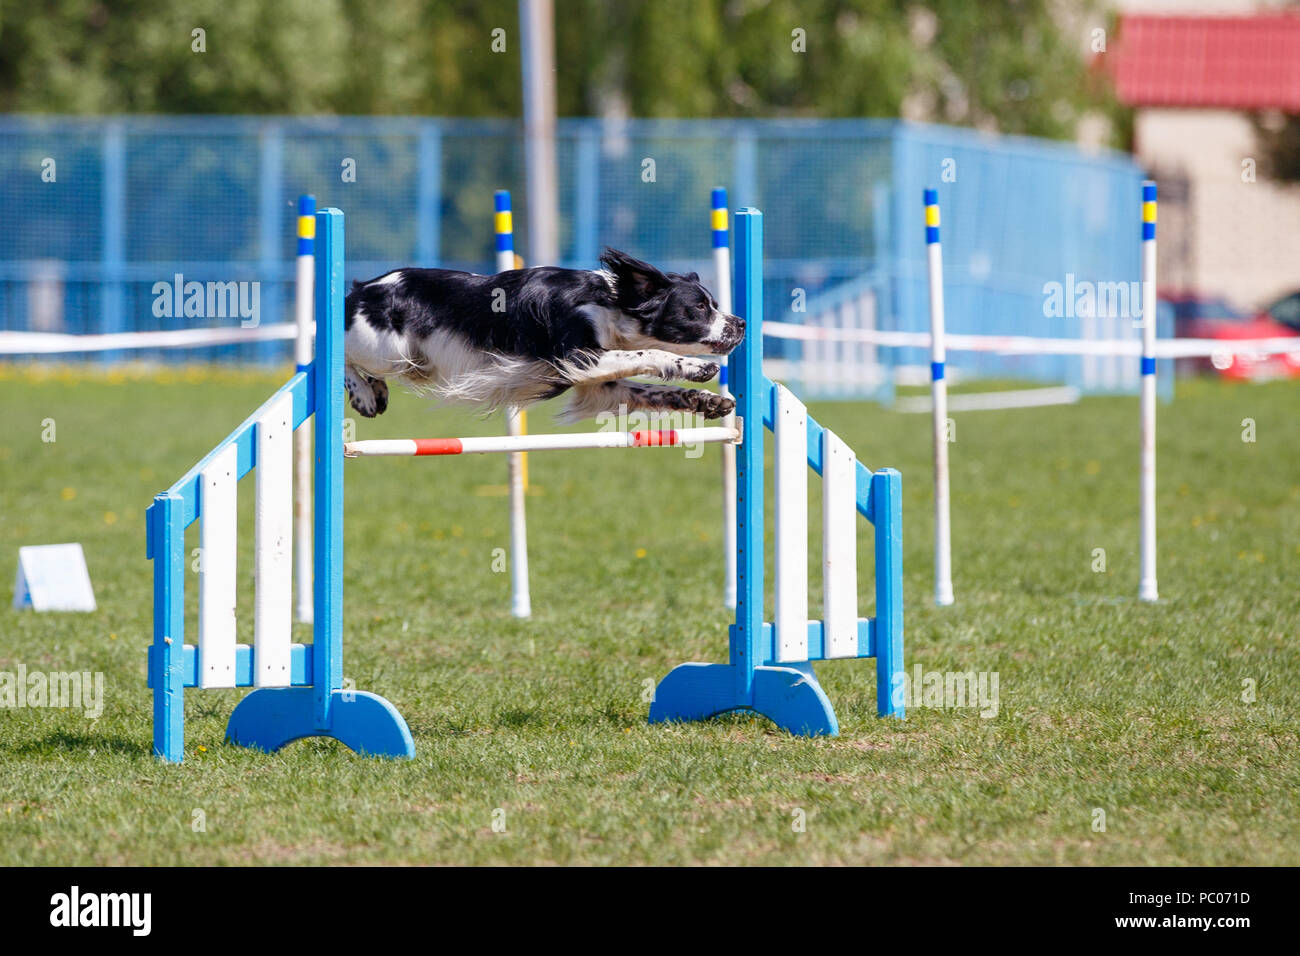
{"points": [[670, 309]]}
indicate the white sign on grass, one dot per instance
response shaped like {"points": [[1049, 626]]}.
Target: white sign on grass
{"points": [[53, 577]]}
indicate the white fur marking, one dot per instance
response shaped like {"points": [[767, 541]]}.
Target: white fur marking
{"points": [[718, 328]]}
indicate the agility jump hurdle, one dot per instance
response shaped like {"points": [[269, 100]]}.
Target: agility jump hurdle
{"points": [[299, 687]]}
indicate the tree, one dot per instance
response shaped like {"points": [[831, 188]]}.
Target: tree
{"points": [[1009, 65]]}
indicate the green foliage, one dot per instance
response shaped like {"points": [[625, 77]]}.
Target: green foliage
{"points": [[1011, 65]]}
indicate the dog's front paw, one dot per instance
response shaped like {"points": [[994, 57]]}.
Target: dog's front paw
{"points": [[697, 370], [712, 405]]}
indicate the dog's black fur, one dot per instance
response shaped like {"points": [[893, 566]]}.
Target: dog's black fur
{"points": [[531, 334]]}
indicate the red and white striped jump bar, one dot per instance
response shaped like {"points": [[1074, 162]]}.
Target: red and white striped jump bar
{"points": [[381, 447]]}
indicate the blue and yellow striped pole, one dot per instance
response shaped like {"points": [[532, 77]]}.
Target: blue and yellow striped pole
{"points": [[721, 232], [718, 225], [521, 604], [504, 227], [305, 276], [505, 231], [304, 282], [1147, 588], [943, 595]]}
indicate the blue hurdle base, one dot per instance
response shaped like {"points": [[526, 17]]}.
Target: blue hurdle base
{"points": [[366, 723], [788, 695]]}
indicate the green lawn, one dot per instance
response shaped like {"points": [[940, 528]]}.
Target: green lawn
{"points": [[1105, 703]]}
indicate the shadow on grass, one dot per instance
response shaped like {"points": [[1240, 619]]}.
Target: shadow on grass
{"points": [[62, 741]]}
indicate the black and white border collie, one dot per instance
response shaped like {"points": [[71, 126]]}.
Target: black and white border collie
{"points": [[531, 334]]}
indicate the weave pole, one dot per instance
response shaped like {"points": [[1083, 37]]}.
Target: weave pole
{"points": [[939, 394], [1147, 589], [722, 268], [305, 279], [521, 604]]}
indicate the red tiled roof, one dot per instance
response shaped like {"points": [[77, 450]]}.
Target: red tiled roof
{"points": [[1233, 62]]}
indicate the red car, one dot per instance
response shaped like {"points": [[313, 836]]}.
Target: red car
{"points": [[1215, 320]]}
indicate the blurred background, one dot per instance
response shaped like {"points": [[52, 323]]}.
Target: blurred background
{"points": [[144, 139]]}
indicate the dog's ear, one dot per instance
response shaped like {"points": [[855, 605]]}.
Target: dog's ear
{"points": [[692, 277], [635, 280]]}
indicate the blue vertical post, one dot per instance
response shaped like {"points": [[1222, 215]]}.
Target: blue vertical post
{"points": [[113, 251], [746, 171], [746, 367], [428, 204], [886, 293], [902, 257], [887, 516], [271, 234], [166, 529], [586, 218], [327, 390]]}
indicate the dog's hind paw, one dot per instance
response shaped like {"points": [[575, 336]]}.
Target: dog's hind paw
{"points": [[369, 396], [365, 408], [380, 388], [712, 405]]}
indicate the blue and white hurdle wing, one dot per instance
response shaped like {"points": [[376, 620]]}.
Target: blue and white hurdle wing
{"points": [[299, 687], [770, 670]]}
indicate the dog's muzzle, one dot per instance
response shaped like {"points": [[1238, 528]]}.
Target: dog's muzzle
{"points": [[732, 335]]}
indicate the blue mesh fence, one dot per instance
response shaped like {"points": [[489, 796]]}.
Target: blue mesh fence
{"points": [[136, 201]]}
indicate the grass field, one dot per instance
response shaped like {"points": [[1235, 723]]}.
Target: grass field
{"points": [[1104, 703]]}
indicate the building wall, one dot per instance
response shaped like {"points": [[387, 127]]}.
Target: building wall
{"points": [[1220, 234]]}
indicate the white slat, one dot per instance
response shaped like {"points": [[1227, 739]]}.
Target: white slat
{"points": [[839, 547], [219, 516], [272, 603], [791, 527]]}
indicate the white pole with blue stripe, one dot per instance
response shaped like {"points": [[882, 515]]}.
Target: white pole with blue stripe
{"points": [[722, 268], [939, 393], [1147, 589], [521, 603], [305, 280]]}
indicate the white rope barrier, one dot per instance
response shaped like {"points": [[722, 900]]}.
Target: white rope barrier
{"points": [[1033, 345], [54, 343]]}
